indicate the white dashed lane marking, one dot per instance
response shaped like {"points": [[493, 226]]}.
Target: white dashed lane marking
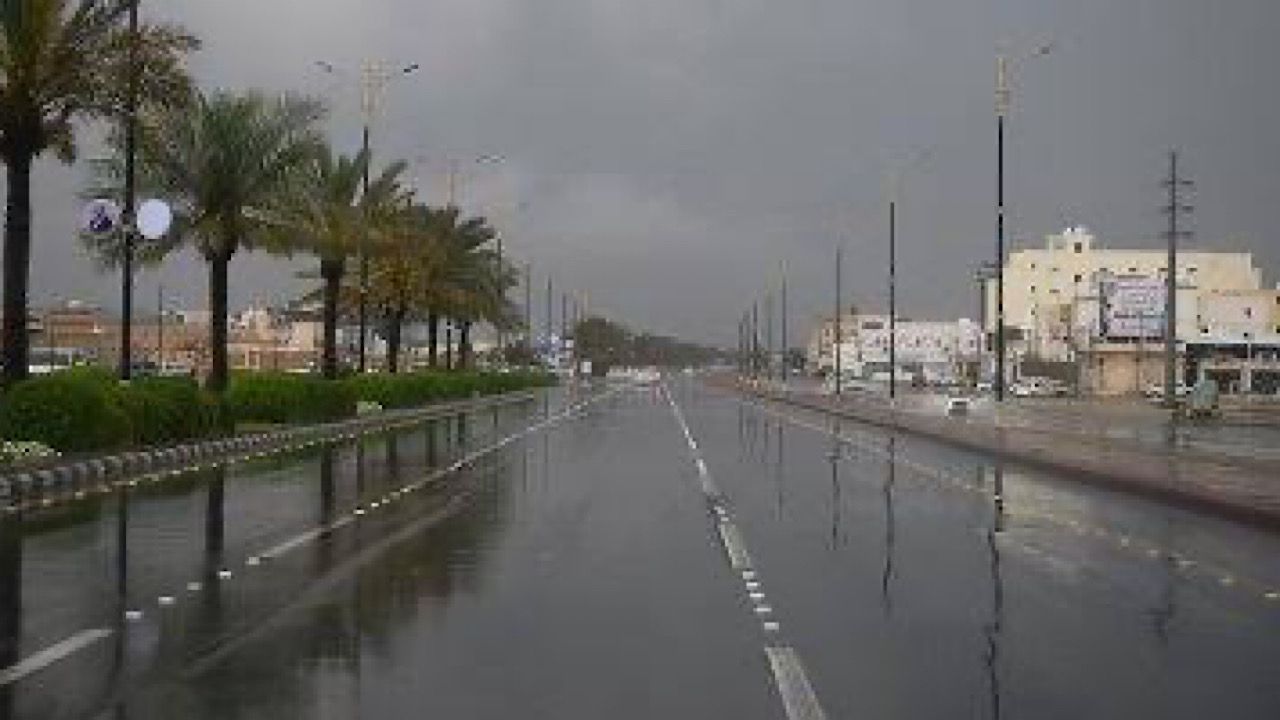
{"points": [[796, 692], [798, 697], [734, 547]]}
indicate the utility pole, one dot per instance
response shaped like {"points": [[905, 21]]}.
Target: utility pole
{"points": [[129, 214], [1175, 208]]}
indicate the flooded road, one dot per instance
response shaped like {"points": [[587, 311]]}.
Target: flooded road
{"points": [[638, 553]]}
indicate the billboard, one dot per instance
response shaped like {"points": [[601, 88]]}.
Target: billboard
{"points": [[1133, 308]]}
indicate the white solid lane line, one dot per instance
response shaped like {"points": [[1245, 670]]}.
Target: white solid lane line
{"points": [[798, 698], [51, 655]]}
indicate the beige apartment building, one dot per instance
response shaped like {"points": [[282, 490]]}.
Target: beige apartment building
{"points": [[1060, 307]]}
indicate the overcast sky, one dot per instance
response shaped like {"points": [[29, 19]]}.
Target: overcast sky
{"points": [[667, 155]]}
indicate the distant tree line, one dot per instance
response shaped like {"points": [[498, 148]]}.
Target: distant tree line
{"points": [[609, 344]]}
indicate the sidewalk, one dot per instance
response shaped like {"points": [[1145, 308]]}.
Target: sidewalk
{"points": [[1239, 488]]}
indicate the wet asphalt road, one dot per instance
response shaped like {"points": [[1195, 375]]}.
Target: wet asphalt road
{"points": [[602, 563]]}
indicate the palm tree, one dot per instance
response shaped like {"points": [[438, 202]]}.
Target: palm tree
{"points": [[62, 62], [463, 268], [432, 266], [224, 161], [324, 212], [402, 273]]}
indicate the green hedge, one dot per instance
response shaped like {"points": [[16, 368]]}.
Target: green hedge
{"points": [[88, 409], [285, 398]]}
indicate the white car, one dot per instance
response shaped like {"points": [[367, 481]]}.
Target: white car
{"points": [[958, 405], [1155, 391]]}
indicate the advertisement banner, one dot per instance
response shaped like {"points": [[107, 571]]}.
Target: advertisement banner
{"points": [[1133, 308]]}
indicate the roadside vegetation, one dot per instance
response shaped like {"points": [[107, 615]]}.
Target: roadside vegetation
{"points": [[88, 410], [244, 171]]}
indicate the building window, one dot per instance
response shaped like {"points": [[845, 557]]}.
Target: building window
{"points": [[1079, 247], [1079, 277], [1248, 312], [1033, 289]]}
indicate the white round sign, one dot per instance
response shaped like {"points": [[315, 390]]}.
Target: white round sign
{"points": [[154, 219], [100, 217]]}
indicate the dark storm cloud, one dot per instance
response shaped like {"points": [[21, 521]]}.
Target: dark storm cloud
{"points": [[667, 155]]}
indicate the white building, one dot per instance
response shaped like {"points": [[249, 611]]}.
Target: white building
{"points": [[937, 352]]}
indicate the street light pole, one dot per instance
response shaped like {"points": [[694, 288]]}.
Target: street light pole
{"points": [[160, 328], [768, 334], [893, 298], [1002, 111], [374, 77], [839, 340], [528, 306], [755, 339], [785, 353], [129, 214], [1002, 108], [363, 310]]}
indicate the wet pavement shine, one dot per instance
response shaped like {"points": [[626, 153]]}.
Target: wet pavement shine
{"points": [[666, 551]]}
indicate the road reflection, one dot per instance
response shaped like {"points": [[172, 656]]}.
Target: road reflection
{"points": [[10, 601], [995, 625], [890, 523]]}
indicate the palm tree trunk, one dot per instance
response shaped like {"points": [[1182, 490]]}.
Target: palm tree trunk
{"points": [[464, 344], [448, 345], [218, 373], [331, 272], [395, 328], [433, 340], [17, 269]]}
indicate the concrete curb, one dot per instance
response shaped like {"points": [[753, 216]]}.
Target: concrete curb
{"points": [[53, 485], [1220, 489]]}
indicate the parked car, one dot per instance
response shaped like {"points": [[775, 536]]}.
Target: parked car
{"points": [[958, 405], [1028, 387], [1155, 391]]}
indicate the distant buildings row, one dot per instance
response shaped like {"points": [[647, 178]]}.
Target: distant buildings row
{"points": [[260, 339], [1090, 316]]}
